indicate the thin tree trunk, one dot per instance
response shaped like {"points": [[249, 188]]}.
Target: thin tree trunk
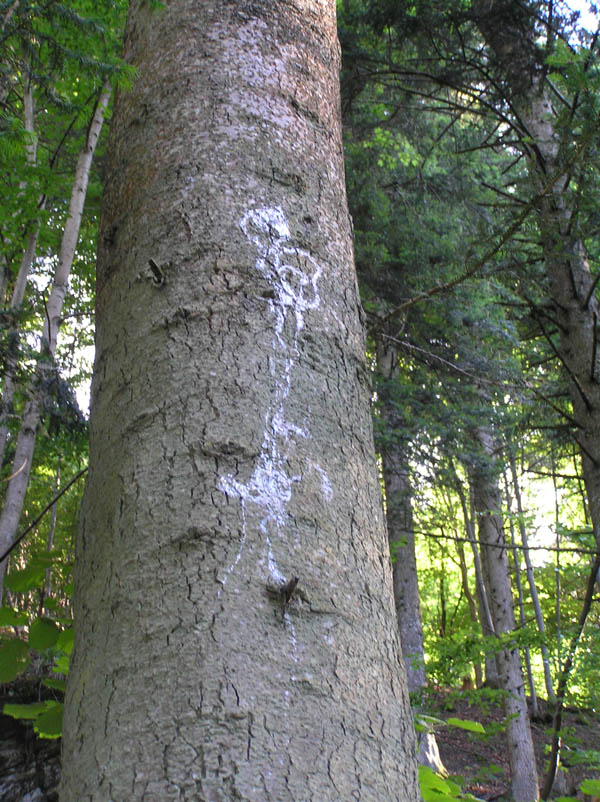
{"points": [[47, 589], [524, 781], [563, 680], [485, 616], [31, 150], [401, 538], [235, 630], [25, 445], [557, 568], [519, 586], [531, 580], [473, 614], [401, 534], [9, 384]]}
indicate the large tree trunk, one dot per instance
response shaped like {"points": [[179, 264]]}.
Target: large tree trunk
{"points": [[231, 444], [524, 781]]}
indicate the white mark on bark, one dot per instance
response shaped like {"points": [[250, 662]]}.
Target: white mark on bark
{"points": [[292, 629], [326, 488], [293, 276], [240, 550]]}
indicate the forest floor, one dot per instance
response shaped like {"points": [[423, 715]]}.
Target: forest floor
{"points": [[480, 762]]}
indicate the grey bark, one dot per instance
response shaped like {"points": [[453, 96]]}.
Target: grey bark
{"points": [[524, 781], [399, 516], [401, 538], [485, 615], [231, 443], [520, 599]]}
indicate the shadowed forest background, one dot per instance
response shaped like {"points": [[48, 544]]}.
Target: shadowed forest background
{"points": [[472, 156]]}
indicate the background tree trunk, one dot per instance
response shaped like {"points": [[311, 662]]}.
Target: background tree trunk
{"points": [[231, 443], [524, 781], [535, 600], [485, 616], [401, 537], [400, 527]]}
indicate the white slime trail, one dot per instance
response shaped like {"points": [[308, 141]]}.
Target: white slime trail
{"points": [[293, 276]]}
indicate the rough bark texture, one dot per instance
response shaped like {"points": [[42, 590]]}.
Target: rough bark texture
{"points": [[401, 534], [231, 444], [524, 781], [401, 537], [485, 616]]}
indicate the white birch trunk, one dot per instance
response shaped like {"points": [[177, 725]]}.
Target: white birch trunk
{"points": [[9, 385], [25, 445]]}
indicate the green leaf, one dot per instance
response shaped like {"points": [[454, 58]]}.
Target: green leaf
{"points": [[49, 724], [65, 640], [14, 659], [467, 724], [12, 618], [435, 788], [55, 683], [61, 664], [30, 711], [43, 634], [29, 578], [424, 722], [591, 787]]}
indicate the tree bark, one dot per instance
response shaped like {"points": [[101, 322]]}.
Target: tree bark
{"points": [[520, 600], [524, 781], [401, 539], [401, 534], [485, 616], [235, 628]]}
